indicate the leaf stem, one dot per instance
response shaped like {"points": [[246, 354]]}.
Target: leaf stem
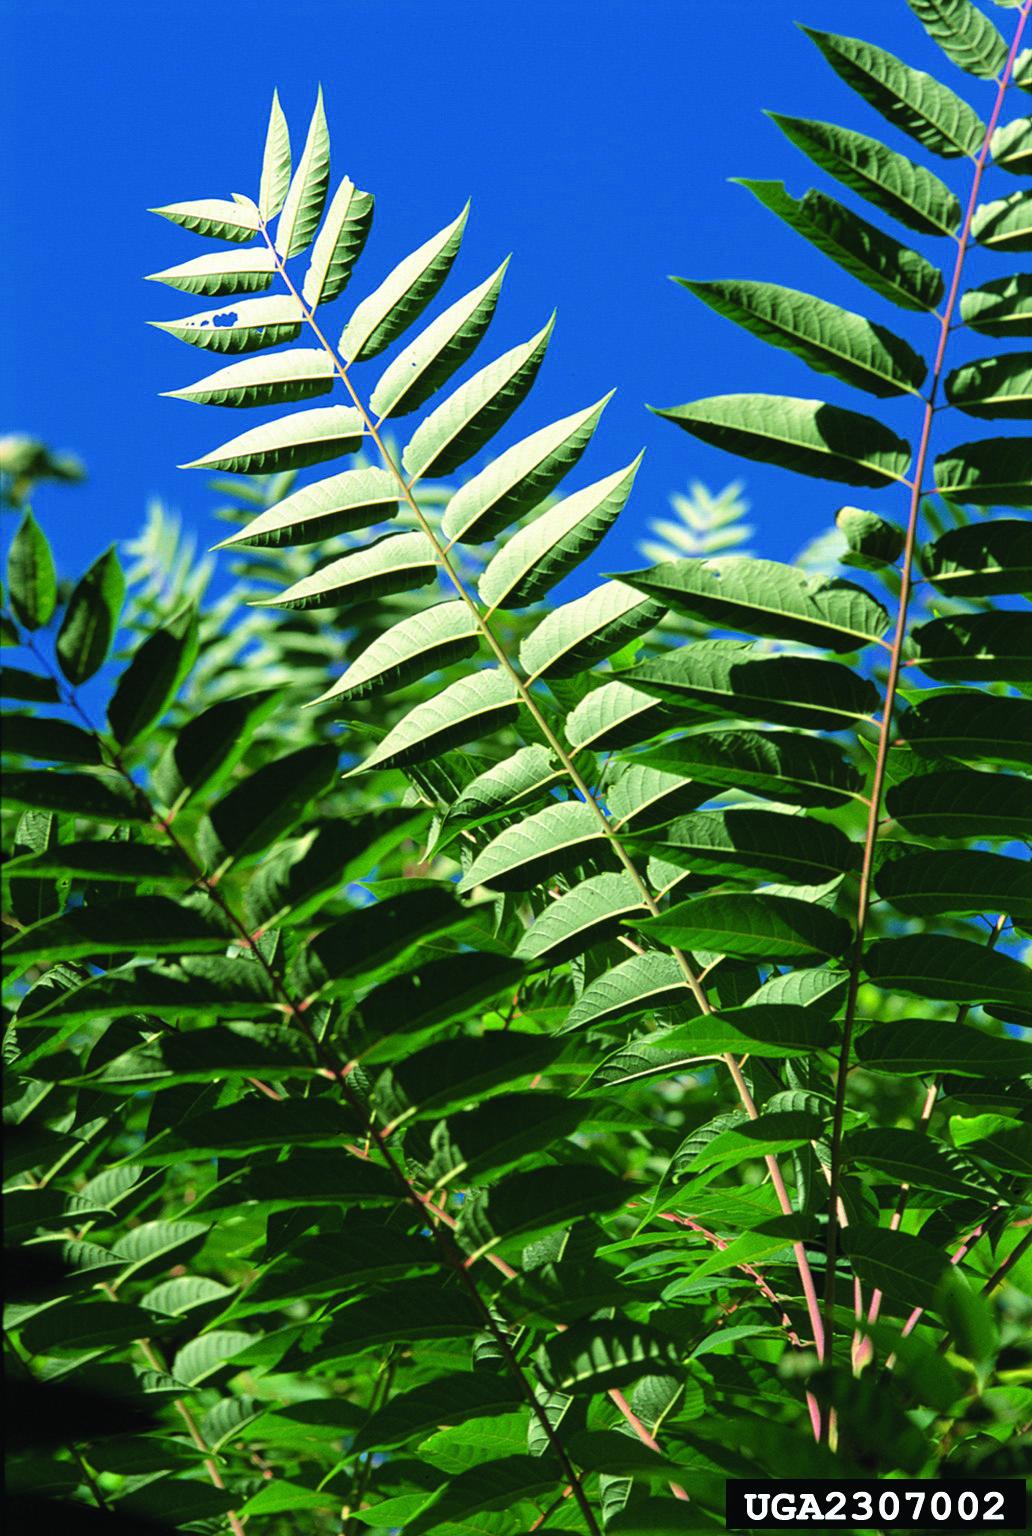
{"points": [[884, 735]]}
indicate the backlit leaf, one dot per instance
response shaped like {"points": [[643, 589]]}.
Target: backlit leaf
{"points": [[303, 204], [290, 442], [403, 295]]}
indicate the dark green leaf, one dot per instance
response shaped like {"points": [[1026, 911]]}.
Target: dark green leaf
{"points": [[153, 677], [91, 619]]}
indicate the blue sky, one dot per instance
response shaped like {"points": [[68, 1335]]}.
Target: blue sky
{"points": [[596, 138]]}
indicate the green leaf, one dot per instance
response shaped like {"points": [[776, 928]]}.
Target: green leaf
{"points": [[237, 1130], [399, 562], [777, 928], [534, 1202], [1000, 1141], [329, 1176], [450, 1074], [757, 845], [206, 1355], [645, 983], [464, 711], [904, 1268], [439, 992], [910, 99], [555, 542], [413, 648], [519, 478], [908, 1046], [643, 796], [56, 741], [890, 181], [1011, 146], [764, 597], [214, 217], [773, 1132], [993, 387], [100, 793], [259, 809], [962, 803], [769, 1030], [968, 1316], [469, 417], [220, 272], [523, 776], [584, 916], [867, 253], [153, 677], [964, 34], [614, 716], [496, 1485], [715, 677], [963, 880], [544, 843], [283, 377], [872, 541], [573, 637], [290, 442], [981, 559], [972, 726], [209, 747], [953, 970], [993, 472], [912, 1157], [100, 861], [145, 925], [977, 646], [303, 205], [428, 362], [597, 1355], [1005, 225], [246, 326], [29, 687], [500, 1133], [807, 436], [403, 295], [1002, 307], [779, 765], [356, 498], [78, 1326], [444, 1400], [364, 939], [90, 621], [827, 338], [338, 245], [275, 179], [31, 577]]}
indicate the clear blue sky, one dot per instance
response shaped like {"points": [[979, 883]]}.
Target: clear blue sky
{"points": [[596, 138]]}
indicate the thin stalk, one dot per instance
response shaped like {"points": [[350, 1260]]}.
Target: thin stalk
{"points": [[406, 488], [892, 681]]}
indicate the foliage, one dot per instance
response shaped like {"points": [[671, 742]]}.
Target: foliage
{"points": [[462, 1144]]}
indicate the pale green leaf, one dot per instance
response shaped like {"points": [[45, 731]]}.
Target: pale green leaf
{"points": [[526, 775], [910, 99], [416, 646], [555, 542], [867, 253], [275, 380], [460, 426], [275, 178], [1002, 307], [519, 478], [356, 498], [306, 195], [763, 597], [466, 710], [805, 435], [643, 796], [574, 636], [545, 843], [221, 272], [829, 339], [403, 295], [645, 983], [587, 914], [289, 442], [1011, 146], [890, 181], [872, 541], [428, 362], [214, 217], [615, 715], [338, 245], [247, 326], [398, 562], [1005, 225]]}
